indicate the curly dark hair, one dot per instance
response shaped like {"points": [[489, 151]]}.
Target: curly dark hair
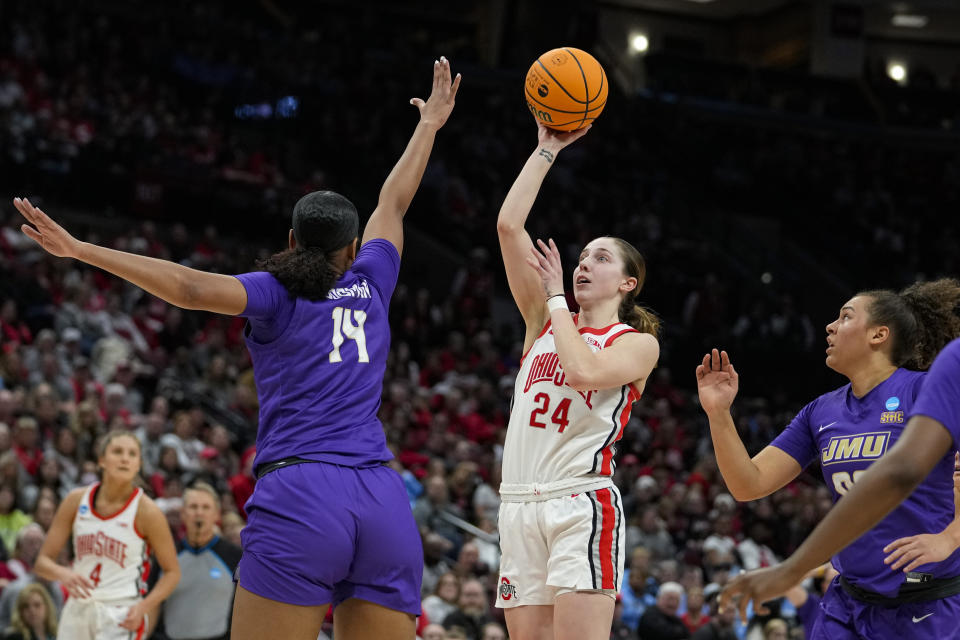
{"points": [[937, 307], [922, 319], [304, 272]]}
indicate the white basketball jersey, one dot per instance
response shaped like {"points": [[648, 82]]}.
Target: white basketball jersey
{"points": [[108, 550], [555, 432]]}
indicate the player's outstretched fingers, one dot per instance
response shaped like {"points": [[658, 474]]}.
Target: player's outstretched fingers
{"points": [[444, 73], [25, 210], [724, 360], [705, 364], [455, 87]]}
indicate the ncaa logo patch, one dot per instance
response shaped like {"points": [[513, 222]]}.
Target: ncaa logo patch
{"points": [[892, 403], [507, 590], [83, 509], [215, 573]]}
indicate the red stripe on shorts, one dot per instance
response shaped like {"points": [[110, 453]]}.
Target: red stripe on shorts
{"points": [[608, 521]]}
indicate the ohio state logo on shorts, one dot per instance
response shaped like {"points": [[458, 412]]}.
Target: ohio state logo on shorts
{"points": [[507, 590]]}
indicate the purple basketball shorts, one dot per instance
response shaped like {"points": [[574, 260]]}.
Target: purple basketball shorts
{"points": [[320, 533]]}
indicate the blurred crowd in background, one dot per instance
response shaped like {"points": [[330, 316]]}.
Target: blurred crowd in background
{"points": [[186, 130]]}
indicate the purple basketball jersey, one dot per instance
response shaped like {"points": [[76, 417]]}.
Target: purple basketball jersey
{"points": [[847, 434], [940, 397], [319, 365]]}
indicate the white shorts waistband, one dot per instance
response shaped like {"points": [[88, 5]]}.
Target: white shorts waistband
{"points": [[538, 492]]}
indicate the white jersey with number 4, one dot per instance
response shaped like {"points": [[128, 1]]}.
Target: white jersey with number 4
{"points": [[558, 437], [109, 551]]}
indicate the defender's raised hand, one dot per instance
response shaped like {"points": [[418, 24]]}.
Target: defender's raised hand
{"points": [[438, 106], [717, 382], [44, 231]]}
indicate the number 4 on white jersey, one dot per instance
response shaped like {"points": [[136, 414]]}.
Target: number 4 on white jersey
{"points": [[344, 327]]}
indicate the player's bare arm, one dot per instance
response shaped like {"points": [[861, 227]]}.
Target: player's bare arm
{"points": [[401, 185], [515, 243], [180, 286], [747, 478], [46, 567]]}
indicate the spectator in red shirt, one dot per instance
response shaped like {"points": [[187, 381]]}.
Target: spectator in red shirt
{"points": [[695, 618]]}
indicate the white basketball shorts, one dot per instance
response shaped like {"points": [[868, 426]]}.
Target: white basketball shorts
{"points": [[92, 620], [568, 543]]}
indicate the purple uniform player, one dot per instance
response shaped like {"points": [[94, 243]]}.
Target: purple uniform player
{"points": [[879, 341], [320, 405], [329, 523], [932, 435], [846, 434]]}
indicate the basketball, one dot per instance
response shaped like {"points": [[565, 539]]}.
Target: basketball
{"points": [[566, 89]]}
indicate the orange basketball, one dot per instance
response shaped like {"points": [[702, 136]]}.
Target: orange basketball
{"points": [[566, 89]]}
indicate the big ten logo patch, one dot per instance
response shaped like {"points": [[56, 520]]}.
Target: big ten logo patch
{"points": [[507, 591]]}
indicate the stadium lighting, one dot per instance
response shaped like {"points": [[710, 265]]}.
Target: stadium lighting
{"points": [[911, 21], [897, 71], [639, 43]]}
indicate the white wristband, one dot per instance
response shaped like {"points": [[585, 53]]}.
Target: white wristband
{"points": [[557, 302]]}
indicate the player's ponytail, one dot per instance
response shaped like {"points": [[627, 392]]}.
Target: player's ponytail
{"points": [[304, 272], [631, 313], [922, 319], [639, 317]]}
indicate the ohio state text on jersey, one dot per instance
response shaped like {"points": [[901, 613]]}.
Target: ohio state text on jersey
{"points": [[109, 551], [558, 436]]}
